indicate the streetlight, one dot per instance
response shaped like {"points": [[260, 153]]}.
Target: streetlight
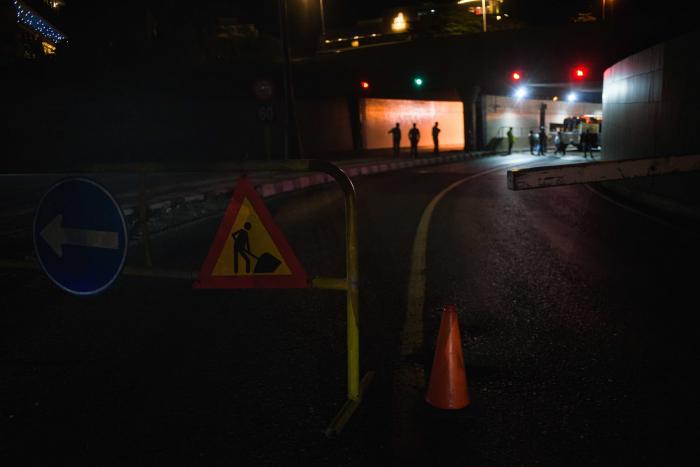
{"points": [[323, 19], [604, 8]]}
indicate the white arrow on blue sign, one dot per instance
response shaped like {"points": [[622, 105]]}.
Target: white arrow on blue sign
{"points": [[80, 236]]}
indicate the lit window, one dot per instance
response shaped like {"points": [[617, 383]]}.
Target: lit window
{"points": [[399, 23], [49, 49]]}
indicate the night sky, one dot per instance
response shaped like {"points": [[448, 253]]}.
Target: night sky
{"points": [[85, 20], [344, 13]]}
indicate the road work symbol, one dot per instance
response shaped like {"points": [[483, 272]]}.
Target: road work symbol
{"points": [[249, 250], [266, 263], [80, 236]]}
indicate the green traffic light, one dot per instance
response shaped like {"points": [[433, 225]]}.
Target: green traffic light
{"points": [[418, 81]]}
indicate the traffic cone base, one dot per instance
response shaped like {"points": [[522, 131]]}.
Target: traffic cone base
{"points": [[447, 388]]}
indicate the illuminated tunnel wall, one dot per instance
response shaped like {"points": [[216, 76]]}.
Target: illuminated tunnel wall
{"points": [[378, 116]]}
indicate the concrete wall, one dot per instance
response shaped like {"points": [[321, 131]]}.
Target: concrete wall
{"points": [[75, 117], [649, 102], [324, 126], [502, 112]]}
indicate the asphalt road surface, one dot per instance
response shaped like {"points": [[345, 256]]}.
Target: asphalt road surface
{"points": [[578, 331]]}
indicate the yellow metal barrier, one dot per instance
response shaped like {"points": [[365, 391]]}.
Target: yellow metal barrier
{"points": [[350, 283]]}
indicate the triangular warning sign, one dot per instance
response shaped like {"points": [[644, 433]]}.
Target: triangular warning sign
{"points": [[249, 250]]}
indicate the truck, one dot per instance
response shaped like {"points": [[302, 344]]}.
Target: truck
{"points": [[574, 127]]}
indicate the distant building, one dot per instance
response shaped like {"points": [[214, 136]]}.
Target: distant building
{"points": [[31, 34], [407, 22]]}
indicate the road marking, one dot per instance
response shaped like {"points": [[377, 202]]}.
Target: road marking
{"points": [[412, 333], [409, 378]]}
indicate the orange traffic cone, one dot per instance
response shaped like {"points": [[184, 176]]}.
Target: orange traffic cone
{"points": [[447, 388]]}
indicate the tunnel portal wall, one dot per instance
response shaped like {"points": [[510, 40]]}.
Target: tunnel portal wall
{"points": [[650, 100]]}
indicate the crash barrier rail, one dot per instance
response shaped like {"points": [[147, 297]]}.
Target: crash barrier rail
{"points": [[600, 171], [350, 283]]}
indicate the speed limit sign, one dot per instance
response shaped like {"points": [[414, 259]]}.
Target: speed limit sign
{"points": [[266, 113]]}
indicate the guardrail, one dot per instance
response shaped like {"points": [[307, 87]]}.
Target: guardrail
{"points": [[599, 171]]}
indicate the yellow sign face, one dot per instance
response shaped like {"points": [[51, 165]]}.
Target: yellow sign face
{"points": [[249, 250], [247, 241]]}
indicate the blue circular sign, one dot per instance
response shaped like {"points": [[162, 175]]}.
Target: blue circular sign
{"points": [[80, 236]]}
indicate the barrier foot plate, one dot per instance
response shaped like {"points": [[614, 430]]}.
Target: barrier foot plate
{"points": [[345, 412]]}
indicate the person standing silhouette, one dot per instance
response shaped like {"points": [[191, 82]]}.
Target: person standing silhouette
{"points": [[511, 140], [436, 144], [241, 246], [396, 137], [543, 143], [414, 137], [587, 143]]}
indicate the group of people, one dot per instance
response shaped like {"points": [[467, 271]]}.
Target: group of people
{"points": [[413, 138], [539, 143]]}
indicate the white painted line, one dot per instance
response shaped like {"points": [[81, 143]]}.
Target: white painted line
{"points": [[588, 172]]}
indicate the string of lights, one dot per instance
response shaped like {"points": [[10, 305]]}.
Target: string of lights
{"points": [[29, 18]]}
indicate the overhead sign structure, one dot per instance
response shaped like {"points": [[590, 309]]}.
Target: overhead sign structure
{"points": [[249, 250], [80, 236]]}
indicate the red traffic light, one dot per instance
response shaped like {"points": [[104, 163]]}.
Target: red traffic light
{"points": [[516, 76], [364, 84], [580, 72]]}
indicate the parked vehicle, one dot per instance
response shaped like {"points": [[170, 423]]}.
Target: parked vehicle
{"points": [[574, 127]]}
